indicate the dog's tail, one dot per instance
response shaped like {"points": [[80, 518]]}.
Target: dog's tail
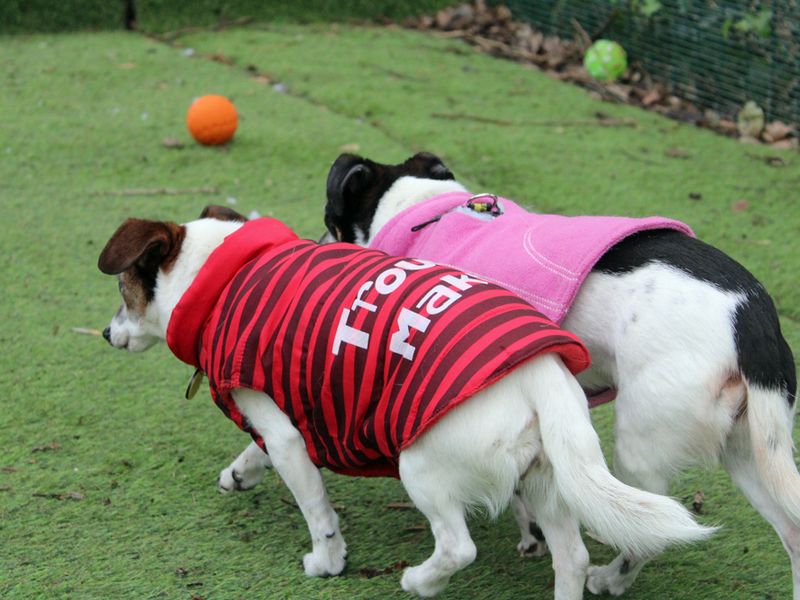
{"points": [[632, 520]]}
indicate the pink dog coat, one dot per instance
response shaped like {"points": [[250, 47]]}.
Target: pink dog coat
{"points": [[542, 258]]}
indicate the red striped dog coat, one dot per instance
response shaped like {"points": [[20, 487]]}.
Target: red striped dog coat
{"points": [[362, 351]]}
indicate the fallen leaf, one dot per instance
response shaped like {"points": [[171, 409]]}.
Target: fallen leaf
{"points": [[713, 118], [350, 148], [370, 572], [9, 470], [697, 502], [220, 58], [181, 572], [675, 152], [651, 97], [787, 144], [46, 447], [775, 161], [261, 78], [726, 126], [173, 143], [776, 131], [695, 196], [740, 206]]}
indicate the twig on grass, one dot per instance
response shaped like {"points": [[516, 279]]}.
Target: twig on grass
{"points": [[400, 505], [489, 45], [87, 331], [63, 496], [159, 191], [598, 122], [170, 36]]}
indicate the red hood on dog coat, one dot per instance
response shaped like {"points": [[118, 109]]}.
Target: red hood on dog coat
{"points": [[362, 351]]}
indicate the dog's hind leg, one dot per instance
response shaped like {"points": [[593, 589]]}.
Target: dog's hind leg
{"points": [[474, 456], [454, 548], [637, 465], [532, 542], [562, 530], [744, 473], [760, 460], [246, 471], [287, 451]]}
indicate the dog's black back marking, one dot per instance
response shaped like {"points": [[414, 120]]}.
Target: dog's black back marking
{"points": [[764, 356]]}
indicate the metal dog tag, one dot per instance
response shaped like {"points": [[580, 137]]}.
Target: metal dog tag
{"points": [[194, 384]]}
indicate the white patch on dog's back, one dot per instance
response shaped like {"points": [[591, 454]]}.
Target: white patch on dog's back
{"points": [[623, 319], [404, 193]]}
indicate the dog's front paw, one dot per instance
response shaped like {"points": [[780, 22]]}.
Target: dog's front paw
{"points": [[232, 479], [328, 559], [416, 581]]}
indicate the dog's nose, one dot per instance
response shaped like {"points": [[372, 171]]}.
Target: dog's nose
{"points": [[107, 334]]}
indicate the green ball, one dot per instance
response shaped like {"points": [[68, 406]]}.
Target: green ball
{"points": [[605, 60]]}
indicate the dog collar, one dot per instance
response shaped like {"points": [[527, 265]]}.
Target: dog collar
{"points": [[250, 240]]}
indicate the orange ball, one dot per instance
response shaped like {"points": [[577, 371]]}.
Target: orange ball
{"points": [[212, 119]]}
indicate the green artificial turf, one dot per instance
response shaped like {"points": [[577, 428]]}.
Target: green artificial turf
{"points": [[107, 474]]}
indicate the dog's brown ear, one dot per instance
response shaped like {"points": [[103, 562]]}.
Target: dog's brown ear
{"points": [[147, 244], [221, 213]]}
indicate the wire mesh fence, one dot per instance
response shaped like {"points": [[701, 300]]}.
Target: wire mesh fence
{"points": [[716, 53]]}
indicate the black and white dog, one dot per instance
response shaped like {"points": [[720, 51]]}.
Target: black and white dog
{"points": [[693, 347], [528, 430]]}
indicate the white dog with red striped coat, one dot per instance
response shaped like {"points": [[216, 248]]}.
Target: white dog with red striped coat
{"points": [[521, 424]]}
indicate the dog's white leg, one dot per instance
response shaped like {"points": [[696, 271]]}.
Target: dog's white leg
{"points": [[738, 460], [532, 542], [246, 471], [562, 530], [287, 450], [637, 465], [682, 420], [454, 547]]}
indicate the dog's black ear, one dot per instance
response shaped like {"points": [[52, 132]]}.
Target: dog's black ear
{"points": [[349, 177], [221, 213], [430, 165], [145, 244]]}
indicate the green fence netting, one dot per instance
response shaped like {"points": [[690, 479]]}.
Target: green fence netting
{"points": [[716, 53]]}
